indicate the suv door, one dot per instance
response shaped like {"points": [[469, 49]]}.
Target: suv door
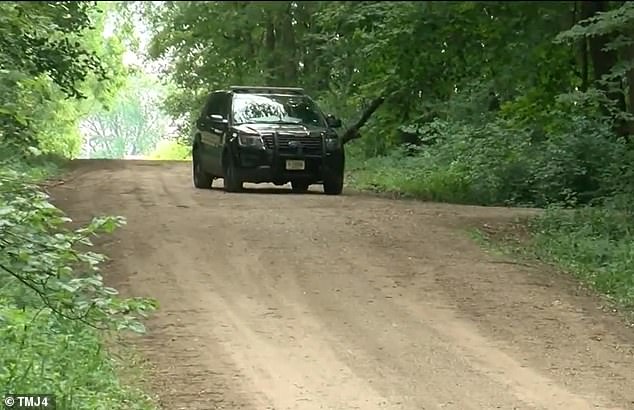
{"points": [[221, 131], [212, 132]]}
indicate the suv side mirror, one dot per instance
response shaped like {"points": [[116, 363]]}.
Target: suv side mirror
{"points": [[333, 121]]}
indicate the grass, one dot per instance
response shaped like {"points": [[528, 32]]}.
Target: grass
{"points": [[595, 244], [421, 177], [406, 177]]}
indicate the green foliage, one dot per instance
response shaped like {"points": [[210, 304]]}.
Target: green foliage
{"points": [[42, 353], [597, 244], [50, 269], [617, 21], [170, 150], [499, 163], [131, 125], [55, 67], [50, 34], [428, 52], [49, 52], [54, 306]]}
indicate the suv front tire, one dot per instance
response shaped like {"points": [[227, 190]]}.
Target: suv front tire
{"points": [[202, 179], [232, 180], [333, 184]]}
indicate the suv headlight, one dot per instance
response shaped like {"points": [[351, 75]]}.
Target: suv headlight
{"points": [[249, 140]]}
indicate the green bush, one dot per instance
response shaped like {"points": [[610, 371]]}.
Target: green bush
{"points": [[596, 244], [54, 306], [499, 163], [170, 150]]}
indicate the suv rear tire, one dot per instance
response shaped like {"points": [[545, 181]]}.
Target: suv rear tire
{"points": [[333, 185], [202, 179], [231, 178], [299, 187]]}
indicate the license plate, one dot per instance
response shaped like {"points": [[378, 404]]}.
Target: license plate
{"points": [[295, 165]]}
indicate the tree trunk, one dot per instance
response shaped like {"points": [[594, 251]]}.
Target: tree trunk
{"points": [[288, 47], [629, 56], [602, 61], [582, 50], [585, 73], [269, 44]]}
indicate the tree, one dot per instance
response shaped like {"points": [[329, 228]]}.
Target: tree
{"points": [[132, 125], [53, 64], [431, 53], [606, 34]]}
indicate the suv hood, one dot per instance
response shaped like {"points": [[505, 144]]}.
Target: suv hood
{"points": [[263, 129]]}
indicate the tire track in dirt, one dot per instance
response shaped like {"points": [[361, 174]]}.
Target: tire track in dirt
{"points": [[279, 301]]}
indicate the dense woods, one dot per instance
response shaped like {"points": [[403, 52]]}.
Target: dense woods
{"points": [[489, 103], [487, 93]]}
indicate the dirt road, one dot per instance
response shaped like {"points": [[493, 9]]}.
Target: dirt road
{"points": [[271, 300]]}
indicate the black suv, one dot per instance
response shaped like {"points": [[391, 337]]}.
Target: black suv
{"points": [[267, 134]]}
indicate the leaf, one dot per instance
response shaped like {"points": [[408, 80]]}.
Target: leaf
{"points": [[110, 291], [6, 210]]}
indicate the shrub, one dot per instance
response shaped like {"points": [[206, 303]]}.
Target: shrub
{"points": [[54, 306], [170, 150], [500, 163], [596, 244]]}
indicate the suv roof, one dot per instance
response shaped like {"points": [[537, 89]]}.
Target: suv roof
{"points": [[267, 90]]}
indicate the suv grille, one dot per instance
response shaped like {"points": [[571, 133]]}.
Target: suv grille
{"points": [[310, 145]]}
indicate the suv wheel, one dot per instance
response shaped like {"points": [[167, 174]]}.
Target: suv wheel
{"points": [[202, 180], [333, 185], [231, 178], [299, 187]]}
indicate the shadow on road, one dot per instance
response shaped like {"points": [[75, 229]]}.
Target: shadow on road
{"points": [[254, 189]]}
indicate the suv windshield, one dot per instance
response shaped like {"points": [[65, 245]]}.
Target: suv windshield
{"points": [[276, 109]]}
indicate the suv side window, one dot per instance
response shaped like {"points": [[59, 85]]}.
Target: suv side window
{"points": [[224, 105], [217, 104]]}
